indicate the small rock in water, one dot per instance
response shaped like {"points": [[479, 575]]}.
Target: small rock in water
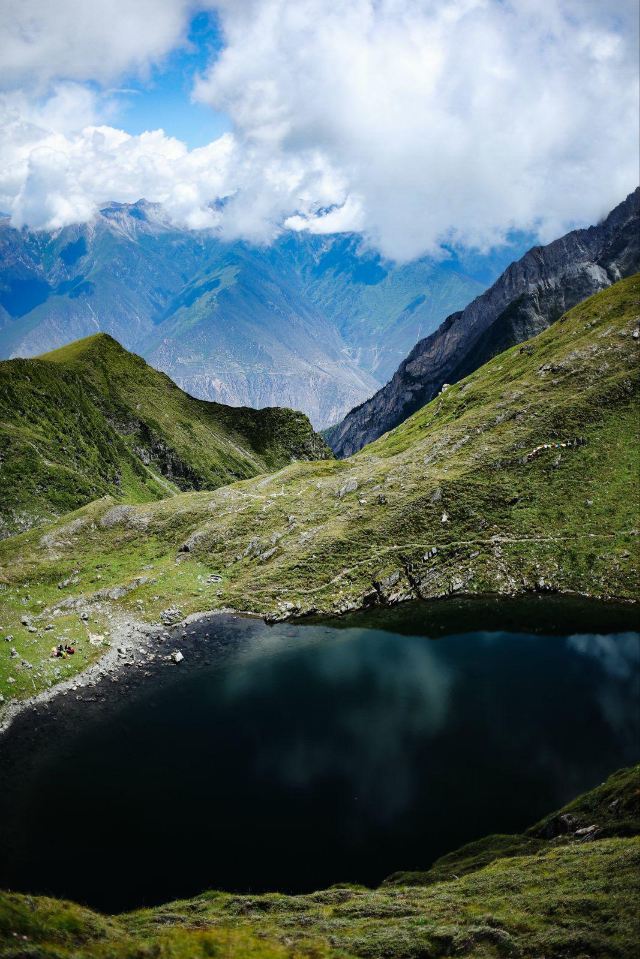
{"points": [[177, 656]]}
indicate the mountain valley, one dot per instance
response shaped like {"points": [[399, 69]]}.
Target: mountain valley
{"points": [[315, 323], [520, 478]]}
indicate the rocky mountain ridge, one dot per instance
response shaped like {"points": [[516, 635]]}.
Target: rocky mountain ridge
{"points": [[531, 294], [314, 323]]}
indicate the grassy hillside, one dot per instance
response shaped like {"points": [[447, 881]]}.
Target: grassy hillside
{"points": [[91, 419], [573, 894], [476, 493]]}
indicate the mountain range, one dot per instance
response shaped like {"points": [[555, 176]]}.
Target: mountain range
{"points": [[529, 296], [314, 323], [520, 478]]}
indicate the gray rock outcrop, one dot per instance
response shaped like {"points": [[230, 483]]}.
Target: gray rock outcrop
{"points": [[530, 295]]}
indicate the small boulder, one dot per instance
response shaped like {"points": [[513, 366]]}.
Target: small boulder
{"points": [[587, 831], [349, 487]]}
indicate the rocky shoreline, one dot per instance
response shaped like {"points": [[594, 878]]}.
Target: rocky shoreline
{"points": [[133, 644], [138, 645]]}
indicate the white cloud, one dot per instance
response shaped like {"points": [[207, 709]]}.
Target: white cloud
{"points": [[455, 119], [413, 121], [50, 179], [50, 176], [85, 40], [346, 218]]}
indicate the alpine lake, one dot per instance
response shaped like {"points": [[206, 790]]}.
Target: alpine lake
{"points": [[292, 756]]}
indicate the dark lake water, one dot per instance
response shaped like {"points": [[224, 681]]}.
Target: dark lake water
{"points": [[295, 756]]}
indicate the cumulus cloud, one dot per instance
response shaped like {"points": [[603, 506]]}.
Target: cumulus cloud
{"points": [[50, 177], [86, 41], [456, 120], [67, 180], [415, 122]]}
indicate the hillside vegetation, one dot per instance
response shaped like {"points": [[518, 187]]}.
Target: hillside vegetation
{"points": [[568, 888], [91, 419], [522, 477]]}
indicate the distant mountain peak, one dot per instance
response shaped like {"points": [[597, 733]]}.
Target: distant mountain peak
{"points": [[132, 218], [311, 322]]}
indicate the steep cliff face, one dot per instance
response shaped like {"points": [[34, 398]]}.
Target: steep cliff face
{"points": [[529, 296]]}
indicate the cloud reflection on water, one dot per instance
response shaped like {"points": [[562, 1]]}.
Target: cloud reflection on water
{"points": [[618, 694], [389, 696]]}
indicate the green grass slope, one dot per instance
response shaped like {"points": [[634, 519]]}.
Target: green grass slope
{"points": [[481, 491], [92, 419], [574, 896]]}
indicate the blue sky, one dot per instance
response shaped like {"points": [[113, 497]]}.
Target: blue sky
{"points": [[163, 100]]}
